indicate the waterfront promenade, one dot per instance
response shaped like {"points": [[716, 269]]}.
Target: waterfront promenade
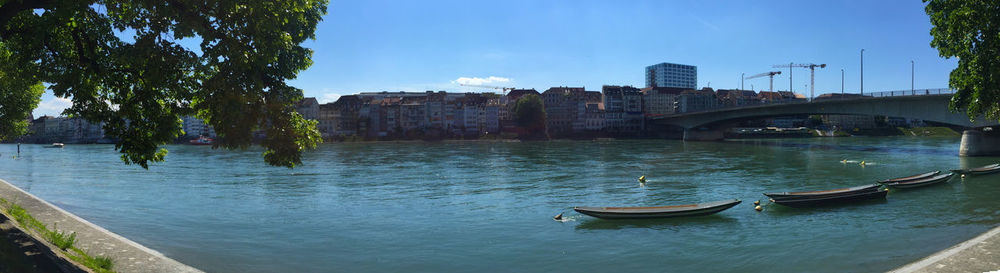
{"points": [[980, 254], [128, 256]]}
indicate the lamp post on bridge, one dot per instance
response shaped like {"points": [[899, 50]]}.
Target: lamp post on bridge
{"points": [[862, 72], [911, 79], [741, 80], [841, 82]]}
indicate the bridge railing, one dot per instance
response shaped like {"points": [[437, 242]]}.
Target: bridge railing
{"points": [[915, 92], [897, 93]]}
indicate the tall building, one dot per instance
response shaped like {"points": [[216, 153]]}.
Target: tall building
{"points": [[672, 75]]}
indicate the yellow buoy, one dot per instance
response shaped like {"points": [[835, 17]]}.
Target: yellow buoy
{"points": [[755, 203], [642, 179], [758, 208], [963, 175], [558, 217]]}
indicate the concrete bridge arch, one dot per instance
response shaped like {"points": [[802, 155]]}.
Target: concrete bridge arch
{"points": [[925, 107]]}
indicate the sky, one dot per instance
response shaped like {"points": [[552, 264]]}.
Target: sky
{"points": [[368, 46]]}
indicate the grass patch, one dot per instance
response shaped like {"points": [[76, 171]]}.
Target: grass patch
{"points": [[98, 264], [60, 239]]}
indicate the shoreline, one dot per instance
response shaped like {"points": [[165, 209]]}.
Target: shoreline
{"points": [[978, 254], [128, 256]]}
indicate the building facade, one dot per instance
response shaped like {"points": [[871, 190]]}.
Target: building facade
{"points": [[660, 100], [623, 109], [672, 75]]}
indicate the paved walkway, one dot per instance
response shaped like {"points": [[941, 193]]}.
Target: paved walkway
{"points": [[980, 254], [128, 256]]}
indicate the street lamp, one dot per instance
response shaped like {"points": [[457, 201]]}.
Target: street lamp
{"points": [[862, 72], [741, 80], [841, 82], [911, 78]]}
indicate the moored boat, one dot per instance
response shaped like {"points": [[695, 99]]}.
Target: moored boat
{"points": [[921, 182], [202, 140], [910, 178], [56, 145], [823, 193], [833, 199], [658, 212], [992, 168]]}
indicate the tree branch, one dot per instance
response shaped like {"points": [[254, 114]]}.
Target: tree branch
{"points": [[12, 8]]}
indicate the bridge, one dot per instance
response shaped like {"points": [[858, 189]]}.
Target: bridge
{"points": [[928, 105]]}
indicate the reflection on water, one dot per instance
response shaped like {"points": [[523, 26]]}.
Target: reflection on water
{"points": [[697, 222], [480, 206]]}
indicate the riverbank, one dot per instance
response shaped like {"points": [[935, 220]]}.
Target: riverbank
{"points": [[127, 256], [980, 254]]}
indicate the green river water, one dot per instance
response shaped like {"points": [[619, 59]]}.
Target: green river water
{"points": [[488, 206]]}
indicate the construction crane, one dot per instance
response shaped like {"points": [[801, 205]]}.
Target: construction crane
{"points": [[812, 74], [769, 74], [505, 89]]}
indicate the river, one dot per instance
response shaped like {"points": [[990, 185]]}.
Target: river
{"points": [[488, 206]]}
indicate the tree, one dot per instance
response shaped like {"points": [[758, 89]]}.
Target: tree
{"points": [[970, 31], [122, 63], [529, 113], [20, 93]]}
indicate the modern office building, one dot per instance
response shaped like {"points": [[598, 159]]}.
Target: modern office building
{"points": [[672, 75]]}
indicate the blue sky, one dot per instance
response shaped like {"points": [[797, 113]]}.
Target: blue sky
{"points": [[366, 46]]}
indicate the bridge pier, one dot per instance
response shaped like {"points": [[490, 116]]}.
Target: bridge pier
{"points": [[702, 135], [978, 143]]}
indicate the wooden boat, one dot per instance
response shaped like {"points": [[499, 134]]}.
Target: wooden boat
{"points": [[980, 170], [657, 212], [56, 145], [921, 182], [910, 178], [823, 193], [832, 199]]}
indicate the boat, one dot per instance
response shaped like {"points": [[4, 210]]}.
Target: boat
{"points": [[992, 168], [658, 212], [833, 199], [202, 140], [921, 182], [823, 193], [56, 145], [910, 178]]}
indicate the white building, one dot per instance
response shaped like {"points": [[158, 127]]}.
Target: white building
{"points": [[194, 127]]}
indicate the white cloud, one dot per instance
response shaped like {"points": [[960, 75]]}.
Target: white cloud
{"points": [[480, 81], [52, 107], [328, 98]]}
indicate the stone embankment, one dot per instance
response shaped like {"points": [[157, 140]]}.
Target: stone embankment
{"points": [[128, 256], [980, 254]]}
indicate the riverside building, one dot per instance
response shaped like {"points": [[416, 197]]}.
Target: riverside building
{"points": [[672, 75]]}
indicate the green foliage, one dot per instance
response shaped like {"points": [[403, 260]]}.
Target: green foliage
{"points": [[20, 92], [140, 86], [60, 239], [970, 31], [24, 219], [529, 111], [99, 264]]}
